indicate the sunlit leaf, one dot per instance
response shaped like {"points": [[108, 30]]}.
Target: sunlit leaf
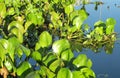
{"points": [[78, 74], [22, 68], [69, 9], [54, 65], [25, 50], [60, 46], [11, 11], [80, 60], [45, 40], [8, 65], [33, 75], [64, 73], [2, 52], [16, 24], [88, 73], [67, 55], [110, 23], [46, 71], [36, 56], [49, 58], [89, 63], [2, 10]]}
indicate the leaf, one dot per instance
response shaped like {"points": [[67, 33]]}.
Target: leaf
{"points": [[79, 19], [49, 58], [56, 1], [67, 55], [11, 11], [40, 19], [60, 46], [25, 50], [78, 74], [2, 52], [64, 73], [18, 34], [80, 60], [4, 43], [54, 65], [45, 71], [69, 9], [23, 67], [45, 40], [16, 24], [33, 75], [13, 44], [8, 65], [32, 17], [89, 63], [36, 56], [110, 23], [27, 24], [2, 10], [88, 73]]}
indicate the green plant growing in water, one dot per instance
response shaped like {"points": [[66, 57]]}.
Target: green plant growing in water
{"points": [[49, 31]]}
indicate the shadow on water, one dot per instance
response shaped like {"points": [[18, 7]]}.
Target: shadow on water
{"points": [[104, 65]]}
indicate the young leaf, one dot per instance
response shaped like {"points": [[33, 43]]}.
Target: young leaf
{"points": [[64, 73]]}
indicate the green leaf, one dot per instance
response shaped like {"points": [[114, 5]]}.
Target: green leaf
{"points": [[36, 56], [10, 11], [64, 73], [80, 60], [8, 65], [16, 24], [54, 65], [44, 71], [13, 44], [23, 67], [2, 52], [18, 34], [40, 19], [78, 74], [110, 23], [32, 17], [2, 10], [56, 1], [33, 75], [25, 50], [45, 40], [67, 55], [49, 58], [4, 43], [77, 22], [89, 63], [60, 46], [69, 9], [27, 24], [88, 73]]}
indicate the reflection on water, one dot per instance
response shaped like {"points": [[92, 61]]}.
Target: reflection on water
{"points": [[104, 65]]}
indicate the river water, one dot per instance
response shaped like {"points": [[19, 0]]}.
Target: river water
{"points": [[105, 65]]}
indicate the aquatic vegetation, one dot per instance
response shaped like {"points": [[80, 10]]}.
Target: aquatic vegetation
{"points": [[49, 32]]}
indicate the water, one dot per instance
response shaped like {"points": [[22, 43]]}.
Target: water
{"points": [[105, 65]]}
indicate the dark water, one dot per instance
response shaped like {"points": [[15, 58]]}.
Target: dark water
{"points": [[105, 65]]}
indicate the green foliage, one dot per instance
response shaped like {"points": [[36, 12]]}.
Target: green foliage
{"points": [[49, 32]]}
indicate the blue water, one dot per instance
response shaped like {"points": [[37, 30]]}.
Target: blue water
{"points": [[105, 65]]}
